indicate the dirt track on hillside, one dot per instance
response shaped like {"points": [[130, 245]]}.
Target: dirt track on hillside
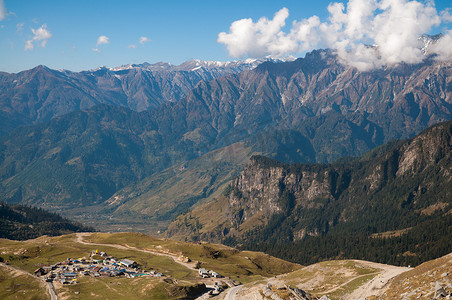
{"points": [[377, 285], [48, 286], [174, 257]]}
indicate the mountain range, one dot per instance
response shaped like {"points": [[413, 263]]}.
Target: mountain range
{"points": [[40, 94], [105, 142]]}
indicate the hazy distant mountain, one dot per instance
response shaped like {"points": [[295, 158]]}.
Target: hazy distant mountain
{"points": [[39, 94], [310, 110]]}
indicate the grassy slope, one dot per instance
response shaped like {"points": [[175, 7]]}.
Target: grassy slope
{"points": [[333, 278], [243, 266], [421, 281], [330, 274], [14, 285], [336, 279]]}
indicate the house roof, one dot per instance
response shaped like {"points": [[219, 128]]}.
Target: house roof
{"points": [[127, 262]]}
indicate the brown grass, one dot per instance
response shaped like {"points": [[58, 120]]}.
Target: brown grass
{"points": [[421, 281]]}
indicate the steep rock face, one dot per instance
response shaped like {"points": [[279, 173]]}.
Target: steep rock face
{"points": [[418, 169], [262, 188]]}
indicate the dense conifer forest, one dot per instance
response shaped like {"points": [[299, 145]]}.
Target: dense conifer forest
{"points": [[20, 222]]}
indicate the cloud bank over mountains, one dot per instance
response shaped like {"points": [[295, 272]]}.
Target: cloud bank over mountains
{"points": [[366, 34]]}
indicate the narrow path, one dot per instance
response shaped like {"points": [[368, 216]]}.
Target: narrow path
{"points": [[51, 289], [377, 285], [49, 285], [174, 257], [232, 292], [347, 282]]}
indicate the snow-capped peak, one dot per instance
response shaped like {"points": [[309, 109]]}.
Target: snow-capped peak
{"points": [[197, 65], [427, 41]]}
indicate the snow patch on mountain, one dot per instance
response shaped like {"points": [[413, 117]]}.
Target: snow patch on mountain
{"points": [[197, 64]]}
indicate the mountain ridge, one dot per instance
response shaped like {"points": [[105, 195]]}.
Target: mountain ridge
{"points": [[40, 94]]}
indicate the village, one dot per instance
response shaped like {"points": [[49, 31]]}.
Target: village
{"points": [[100, 264]]}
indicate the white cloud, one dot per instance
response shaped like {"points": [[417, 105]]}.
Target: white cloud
{"points": [[258, 39], [102, 40], [393, 26], [144, 39], [3, 11], [446, 15], [29, 45], [40, 35], [443, 47]]}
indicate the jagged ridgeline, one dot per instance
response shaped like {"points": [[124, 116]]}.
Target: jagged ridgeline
{"points": [[20, 222], [392, 205]]}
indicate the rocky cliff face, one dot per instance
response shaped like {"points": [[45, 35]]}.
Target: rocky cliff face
{"points": [[419, 169], [262, 188]]}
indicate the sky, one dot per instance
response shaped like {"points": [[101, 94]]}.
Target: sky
{"points": [[84, 34]]}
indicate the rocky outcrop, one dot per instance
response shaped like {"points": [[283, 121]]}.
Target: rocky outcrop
{"points": [[262, 187], [287, 293]]}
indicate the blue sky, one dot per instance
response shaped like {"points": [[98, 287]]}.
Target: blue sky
{"points": [[66, 34]]}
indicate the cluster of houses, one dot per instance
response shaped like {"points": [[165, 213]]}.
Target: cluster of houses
{"points": [[206, 274], [66, 272]]}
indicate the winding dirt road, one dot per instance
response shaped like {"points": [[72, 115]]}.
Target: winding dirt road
{"points": [[232, 292], [377, 285], [48, 285], [174, 257]]}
